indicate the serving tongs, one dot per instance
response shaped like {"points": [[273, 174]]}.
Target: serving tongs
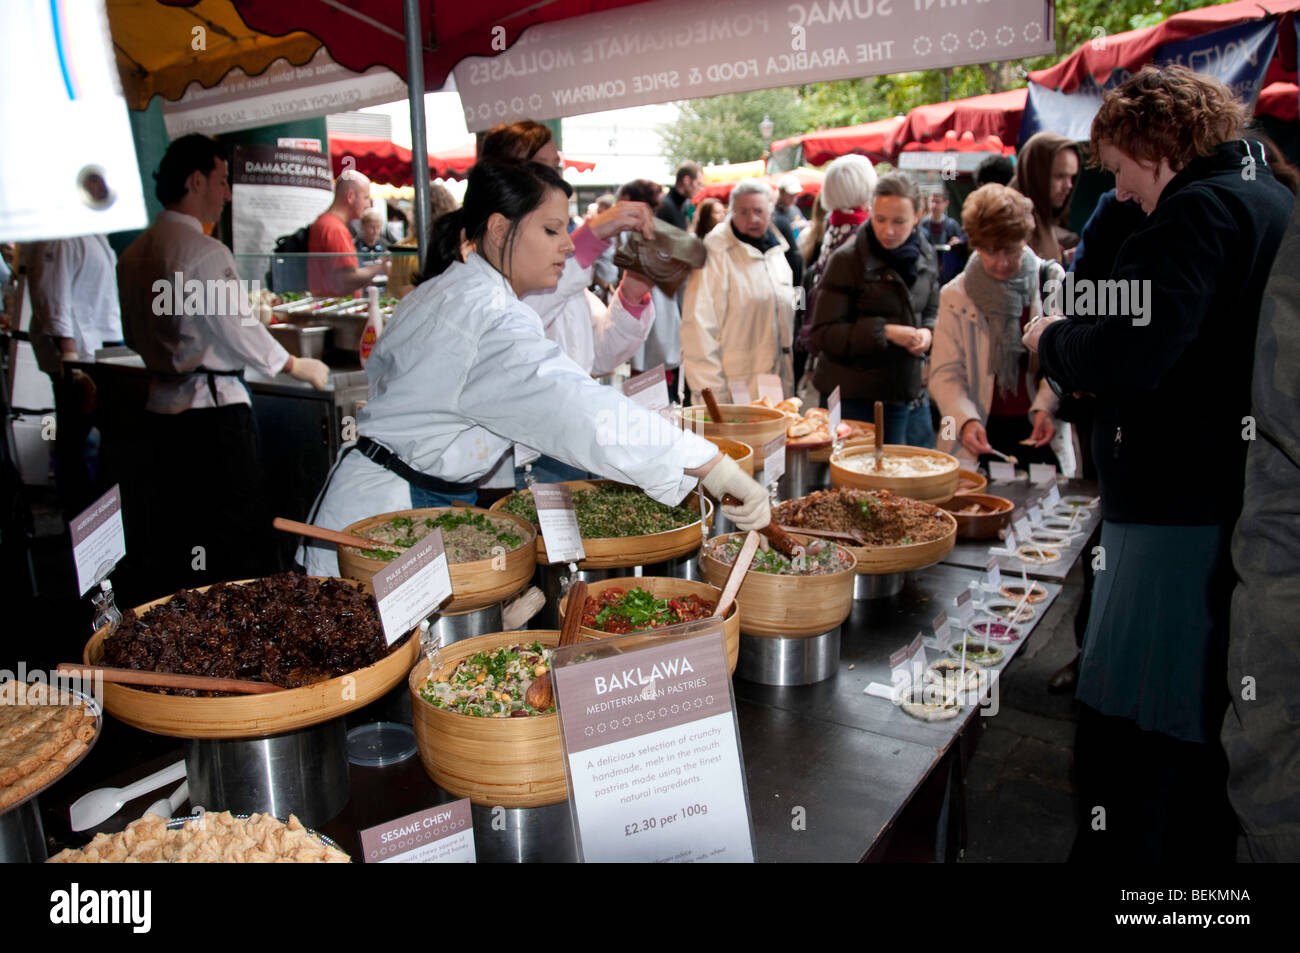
{"points": [[781, 541], [858, 537], [541, 692]]}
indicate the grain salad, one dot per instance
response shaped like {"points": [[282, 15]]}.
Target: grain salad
{"points": [[611, 512]]}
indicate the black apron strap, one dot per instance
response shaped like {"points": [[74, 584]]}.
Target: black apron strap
{"points": [[391, 461]]}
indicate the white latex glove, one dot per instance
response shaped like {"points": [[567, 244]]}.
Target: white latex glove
{"points": [[314, 372], [754, 511]]}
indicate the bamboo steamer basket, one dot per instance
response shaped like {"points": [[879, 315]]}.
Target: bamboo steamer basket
{"points": [[664, 587], [881, 560], [863, 433], [622, 552], [474, 585], [787, 607], [980, 525], [971, 481], [511, 762], [933, 488], [250, 716], [759, 425], [742, 453]]}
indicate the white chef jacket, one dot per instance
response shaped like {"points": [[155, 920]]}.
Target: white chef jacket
{"points": [[598, 342], [74, 295], [461, 372], [174, 345]]}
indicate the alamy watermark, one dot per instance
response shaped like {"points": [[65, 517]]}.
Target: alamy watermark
{"points": [[1084, 297], [216, 297]]}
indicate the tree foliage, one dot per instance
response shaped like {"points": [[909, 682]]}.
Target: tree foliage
{"points": [[725, 128]]}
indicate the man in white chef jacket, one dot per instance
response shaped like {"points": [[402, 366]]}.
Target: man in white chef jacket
{"points": [[73, 285], [189, 317]]}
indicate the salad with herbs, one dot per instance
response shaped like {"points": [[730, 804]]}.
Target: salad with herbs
{"points": [[618, 611], [467, 535], [491, 684], [607, 512], [828, 558]]}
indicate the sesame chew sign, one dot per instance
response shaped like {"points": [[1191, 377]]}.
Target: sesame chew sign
{"points": [[681, 49], [652, 751]]}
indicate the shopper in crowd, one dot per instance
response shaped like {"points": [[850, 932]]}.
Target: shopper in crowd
{"points": [[1177, 374], [398, 227], [941, 229], [788, 221], [604, 273], [597, 339], [73, 288], [809, 241], [370, 243], [404, 266], [664, 343], [845, 198], [468, 325], [999, 170], [201, 490], [874, 318], [333, 269], [739, 308], [709, 214], [982, 376], [1046, 171], [1259, 731], [1283, 169], [686, 185]]}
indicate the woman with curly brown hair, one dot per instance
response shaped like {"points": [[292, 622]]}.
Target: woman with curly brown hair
{"points": [[1170, 377]]}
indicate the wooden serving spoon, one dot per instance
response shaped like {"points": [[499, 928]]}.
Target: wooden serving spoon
{"points": [[880, 435], [131, 676], [738, 570], [541, 692], [321, 533], [857, 537]]}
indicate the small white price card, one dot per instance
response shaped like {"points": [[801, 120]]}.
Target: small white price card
{"points": [[412, 586], [907, 667], [1000, 472], [774, 459], [833, 405], [962, 602], [1009, 542], [440, 835], [1041, 474], [1035, 515], [98, 539], [650, 389], [1053, 497], [1023, 529], [652, 751], [739, 392], [558, 522], [769, 385], [941, 629], [993, 575]]}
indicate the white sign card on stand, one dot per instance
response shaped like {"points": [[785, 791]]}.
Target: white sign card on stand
{"points": [[438, 835], [739, 393], [769, 386], [1041, 474], [1000, 472], [650, 389], [907, 667], [412, 587], [652, 748], [558, 522], [833, 406], [774, 459], [98, 539]]}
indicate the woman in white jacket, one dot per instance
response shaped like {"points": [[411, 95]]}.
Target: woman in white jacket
{"points": [[738, 313], [982, 378], [463, 371]]}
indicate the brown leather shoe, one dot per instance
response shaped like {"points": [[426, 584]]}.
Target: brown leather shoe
{"points": [[1065, 678]]}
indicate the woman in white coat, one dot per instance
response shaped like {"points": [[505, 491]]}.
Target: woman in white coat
{"points": [[983, 379], [738, 313], [463, 371]]}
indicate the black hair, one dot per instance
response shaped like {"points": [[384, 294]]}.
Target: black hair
{"points": [[511, 188], [642, 190], [188, 154], [999, 169]]}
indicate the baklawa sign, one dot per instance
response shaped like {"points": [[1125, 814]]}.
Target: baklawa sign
{"points": [[681, 49]]}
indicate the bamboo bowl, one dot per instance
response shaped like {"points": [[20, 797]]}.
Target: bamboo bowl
{"points": [[971, 481], [934, 488], [663, 587], [250, 716], [980, 525], [789, 607], [758, 426], [880, 560], [474, 585], [742, 453], [511, 762], [862, 433], [624, 552]]}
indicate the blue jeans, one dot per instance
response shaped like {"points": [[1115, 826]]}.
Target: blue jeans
{"points": [[905, 423], [550, 470], [424, 499]]}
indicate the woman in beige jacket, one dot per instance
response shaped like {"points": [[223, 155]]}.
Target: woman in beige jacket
{"points": [[738, 313], [985, 383]]}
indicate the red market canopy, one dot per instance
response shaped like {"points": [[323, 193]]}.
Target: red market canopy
{"points": [[1281, 101], [993, 114], [1135, 48], [810, 179], [871, 139], [966, 142], [381, 160]]}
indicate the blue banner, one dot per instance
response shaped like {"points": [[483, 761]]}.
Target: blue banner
{"points": [[1238, 56]]}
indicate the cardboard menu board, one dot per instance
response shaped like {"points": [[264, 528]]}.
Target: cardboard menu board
{"points": [[652, 750]]}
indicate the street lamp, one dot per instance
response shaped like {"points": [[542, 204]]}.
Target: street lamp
{"points": [[765, 129]]}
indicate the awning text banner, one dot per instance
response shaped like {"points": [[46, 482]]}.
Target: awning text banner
{"points": [[682, 49]]}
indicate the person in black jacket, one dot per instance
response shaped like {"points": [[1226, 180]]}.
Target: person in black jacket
{"points": [[874, 316], [673, 207], [1172, 377]]}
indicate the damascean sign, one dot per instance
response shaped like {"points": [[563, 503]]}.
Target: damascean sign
{"points": [[682, 49]]}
